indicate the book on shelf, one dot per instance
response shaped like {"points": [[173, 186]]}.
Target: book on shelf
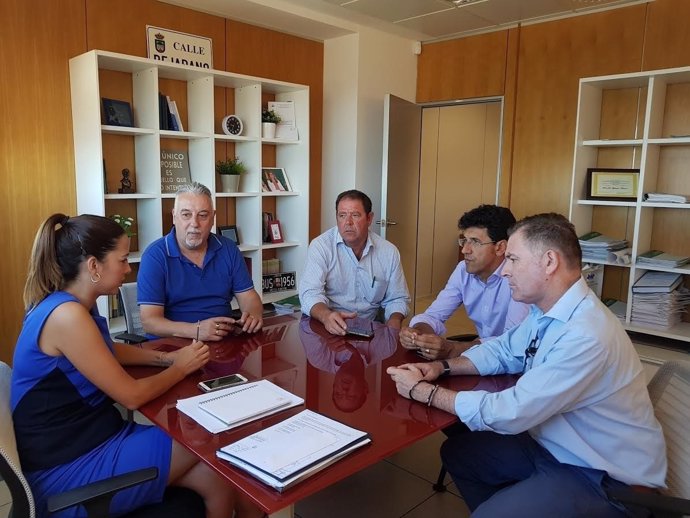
{"points": [[286, 129], [663, 197], [597, 246], [288, 305], [163, 111], [174, 170], [660, 258], [172, 121], [270, 266], [225, 409], [616, 307], [294, 449], [657, 282]]}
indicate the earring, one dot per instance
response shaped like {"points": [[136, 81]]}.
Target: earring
{"points": [[97, 279]]}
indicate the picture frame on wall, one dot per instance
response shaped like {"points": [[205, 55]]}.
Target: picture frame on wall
{"points": [[612, 184], [274, 179], [231, 232], [275, 232], [117, 113]]}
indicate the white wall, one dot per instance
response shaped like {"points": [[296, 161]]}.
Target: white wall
{"points": [[359, 69], [387, 64], [339, 149]]}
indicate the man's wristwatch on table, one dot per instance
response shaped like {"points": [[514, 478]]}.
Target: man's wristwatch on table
{"points": [[446, 368]]}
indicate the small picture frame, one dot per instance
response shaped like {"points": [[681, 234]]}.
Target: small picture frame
{"points": [[612, 184], [230, 231], [275, 233], [117, 113], [274, 179]]}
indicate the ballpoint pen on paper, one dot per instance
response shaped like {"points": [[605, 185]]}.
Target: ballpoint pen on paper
{"points": [[198, 326]]}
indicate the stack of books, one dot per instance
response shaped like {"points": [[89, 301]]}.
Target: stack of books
{"points": [[270, 266], [662, 197], [596, 246], [287, 305], [659, 300], [657, 258], [616, 307]]}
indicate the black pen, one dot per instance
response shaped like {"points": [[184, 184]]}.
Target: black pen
{"points": [[373, 280]]}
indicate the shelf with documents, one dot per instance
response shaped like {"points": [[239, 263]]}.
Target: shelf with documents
{"points": [[203, 98], [636, 121]]}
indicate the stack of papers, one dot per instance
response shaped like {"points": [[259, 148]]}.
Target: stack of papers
{"points": [[663, 310], [228, 408], [662, 197], [287, 305], [293, 449], [659, 300], [596, 246], [657, 282], [286, 128], [617, 307], [659, 258]]}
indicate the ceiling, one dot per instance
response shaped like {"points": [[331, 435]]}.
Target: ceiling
{"points": [[422, 20]]}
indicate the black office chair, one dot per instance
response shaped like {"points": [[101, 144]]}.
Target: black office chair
{"points": [[669, 391], [95, 497], [135, 330], [440, 485]]}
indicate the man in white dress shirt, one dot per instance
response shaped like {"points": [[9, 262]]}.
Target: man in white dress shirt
{"points": [[351, 271]]}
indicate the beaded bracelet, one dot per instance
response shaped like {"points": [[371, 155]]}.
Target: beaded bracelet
{"points": [[412, 388], [431, 395]]}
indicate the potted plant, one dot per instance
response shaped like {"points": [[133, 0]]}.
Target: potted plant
{"points": [[126, 222], [269, 119], [230, 170]]}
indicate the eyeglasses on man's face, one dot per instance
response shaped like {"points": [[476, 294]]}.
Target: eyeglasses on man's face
{"points": [[473, 242]]}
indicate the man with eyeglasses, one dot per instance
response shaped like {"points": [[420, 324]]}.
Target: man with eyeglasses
{"points": [[188, 278], [351, 271], [476, 282], [578, 422]]}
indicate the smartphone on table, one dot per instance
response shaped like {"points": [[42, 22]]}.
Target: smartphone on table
{"points": [[222, 382], [359, 327]]}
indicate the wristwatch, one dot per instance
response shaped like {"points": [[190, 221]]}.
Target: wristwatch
{"points": [[446, 368]]}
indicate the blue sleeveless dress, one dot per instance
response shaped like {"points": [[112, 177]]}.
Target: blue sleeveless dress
{"points": [[68, 431]]}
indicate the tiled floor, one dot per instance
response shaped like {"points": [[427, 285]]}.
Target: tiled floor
{"points": [[396, 487]]}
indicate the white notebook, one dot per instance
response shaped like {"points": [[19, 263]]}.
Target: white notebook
{"points": [[293, 449], [225, 409]]}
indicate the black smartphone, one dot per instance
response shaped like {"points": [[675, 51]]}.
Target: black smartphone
{"points": [[222, 382], [360, 327]]}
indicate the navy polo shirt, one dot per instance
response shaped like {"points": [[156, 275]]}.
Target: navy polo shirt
{"points": [[189, 293]]}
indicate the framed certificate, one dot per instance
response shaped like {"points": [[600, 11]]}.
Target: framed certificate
{"points": [[612, 184]]}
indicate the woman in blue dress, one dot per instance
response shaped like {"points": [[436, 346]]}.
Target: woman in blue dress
{"points": [[67, 372]]}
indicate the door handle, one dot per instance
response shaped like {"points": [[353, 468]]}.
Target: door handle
{"points": [[386, 222]]}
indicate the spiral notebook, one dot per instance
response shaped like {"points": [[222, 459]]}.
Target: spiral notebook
{"points": [[225, 409]]}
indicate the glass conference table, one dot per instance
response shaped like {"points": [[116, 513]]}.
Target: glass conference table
{"points": [[343, 378]]}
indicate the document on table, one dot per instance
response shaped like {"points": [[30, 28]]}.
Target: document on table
{"points": [[228, 408], [294, 449]]}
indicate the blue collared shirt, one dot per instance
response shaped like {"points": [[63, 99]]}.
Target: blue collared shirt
{"points": [[488, 304], [334, 276], [583, 396], [189, 293]]}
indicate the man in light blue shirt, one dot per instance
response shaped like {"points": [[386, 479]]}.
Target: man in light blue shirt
{"points": [[476, 283], [578, 422], [353, 272]]}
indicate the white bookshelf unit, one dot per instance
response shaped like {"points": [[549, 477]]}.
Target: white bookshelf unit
{"points": [[642, 121], [204, 97]]}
